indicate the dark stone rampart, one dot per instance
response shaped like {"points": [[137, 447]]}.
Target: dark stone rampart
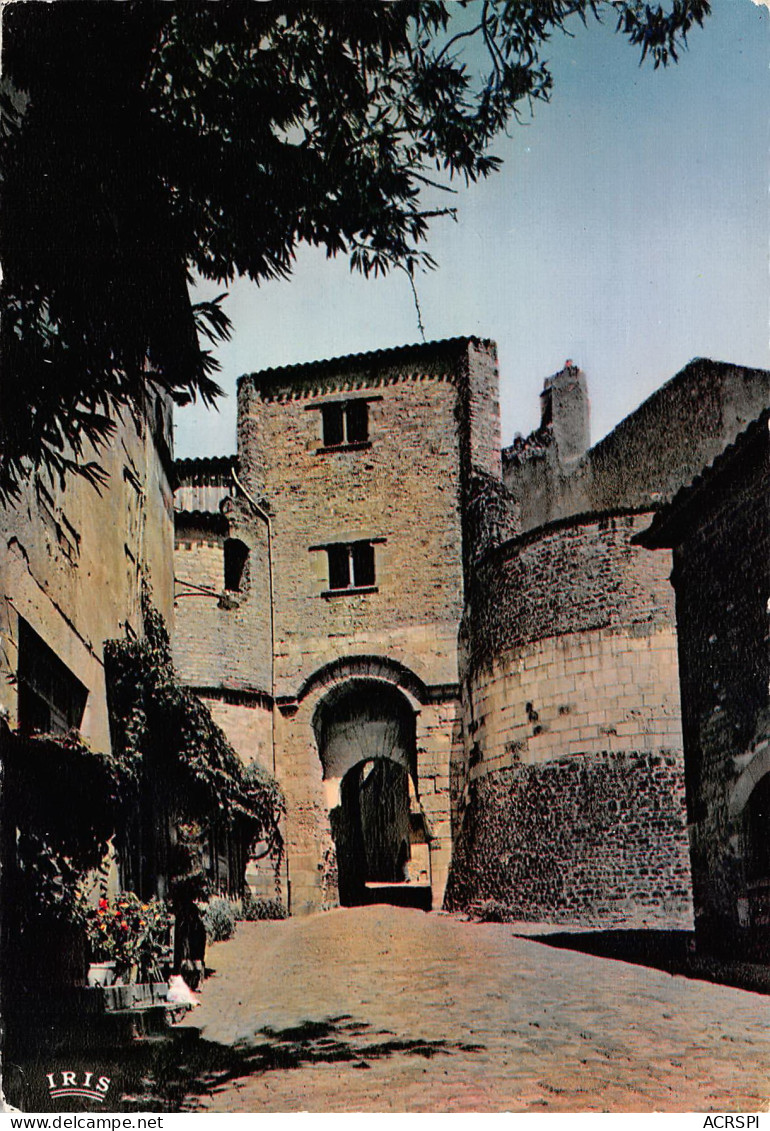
{"points": [[575, 576], [595, 840]]}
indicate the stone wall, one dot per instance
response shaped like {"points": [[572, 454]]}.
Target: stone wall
{"points": [[571, 707], [657, 449], [569, 655], [569, 577], [73, 560], [222, 638], [402, 492], [478, 415], [587, 692], [247, 720], [589, 839], [720, 529], [433, 423]]}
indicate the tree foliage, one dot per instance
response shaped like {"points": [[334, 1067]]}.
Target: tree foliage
{"points": [[144, 140]]}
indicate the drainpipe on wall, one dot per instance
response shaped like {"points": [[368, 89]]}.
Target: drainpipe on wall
{"points": [[266, 519]]}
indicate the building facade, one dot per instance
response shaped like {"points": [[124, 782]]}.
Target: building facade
{"points": [[459, 664], [340, 635], [73, 564], [719, 528], [106, 763], [574, 804]]}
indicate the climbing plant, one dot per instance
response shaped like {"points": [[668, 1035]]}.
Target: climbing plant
{"points": [[61, 804], [164, 727], [65, 800]]}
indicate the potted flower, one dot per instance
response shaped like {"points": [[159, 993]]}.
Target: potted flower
{"points": [[128, 939]]}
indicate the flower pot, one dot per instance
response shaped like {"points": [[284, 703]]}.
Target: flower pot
{"points": [[101, 974]]}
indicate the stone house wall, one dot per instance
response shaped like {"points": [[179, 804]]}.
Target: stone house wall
{"points": [[222, 638], [73, 560], [403, 491], [720, 529]]}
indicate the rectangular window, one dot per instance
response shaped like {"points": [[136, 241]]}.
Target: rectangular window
{"points": [[339, 567], [357, 422], [362, 554], [51, 699], [333, 425], [345, 423], [351, 566]]}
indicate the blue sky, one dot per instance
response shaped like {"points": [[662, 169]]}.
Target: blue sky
{"points": [[629, 230]]}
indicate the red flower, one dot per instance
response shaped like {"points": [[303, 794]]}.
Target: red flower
{"points": [[103, 905]]}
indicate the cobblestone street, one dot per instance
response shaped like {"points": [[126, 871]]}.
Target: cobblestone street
{"points": [[388, 1009]]}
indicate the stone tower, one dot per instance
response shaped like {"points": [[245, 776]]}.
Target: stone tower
{"points": [[323, 631]]}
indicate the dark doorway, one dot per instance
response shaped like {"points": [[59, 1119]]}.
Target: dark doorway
{"points": [[366, 739], [371, 828]]}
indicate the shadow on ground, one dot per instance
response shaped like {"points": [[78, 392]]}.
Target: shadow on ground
{"points": [[419, 896], [671, 951], [204, 1067], [176, 1073]]}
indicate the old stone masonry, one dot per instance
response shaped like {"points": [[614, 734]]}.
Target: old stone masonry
{"points": [[455, 656]]}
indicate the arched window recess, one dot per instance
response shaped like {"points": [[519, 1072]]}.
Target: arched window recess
{"points": [[236, 554]]}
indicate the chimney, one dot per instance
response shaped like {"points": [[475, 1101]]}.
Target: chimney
{"points": [[565, 411]]}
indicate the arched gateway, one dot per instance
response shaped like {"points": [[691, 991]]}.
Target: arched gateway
{"points": [[366, 735]]}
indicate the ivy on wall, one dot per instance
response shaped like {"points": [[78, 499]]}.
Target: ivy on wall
{"points": [[159, 723], [65, 800]]}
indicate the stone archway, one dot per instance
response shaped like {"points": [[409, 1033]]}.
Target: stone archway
{"points": [[366, 735]]}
